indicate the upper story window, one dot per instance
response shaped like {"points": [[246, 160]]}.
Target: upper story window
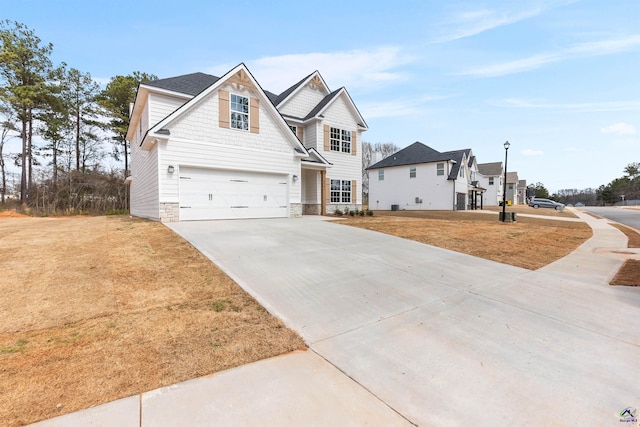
{"points": [[412, 172], [380, 174], [239, 112], [490, 180], [440, 169], [461, 173], [294, 129], [340, 140]]}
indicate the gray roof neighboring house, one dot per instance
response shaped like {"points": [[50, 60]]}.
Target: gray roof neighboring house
{"points": [[512, 177], [419, 153], [190, 84], [490, 169]]}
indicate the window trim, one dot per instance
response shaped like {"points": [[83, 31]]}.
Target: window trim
{"points": [[340, 140], [232, 111], [342, 192]]}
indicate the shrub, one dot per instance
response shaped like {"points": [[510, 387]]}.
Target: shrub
{"points": [[370, 213], [361, 213], [352, 213], [338, 212]]}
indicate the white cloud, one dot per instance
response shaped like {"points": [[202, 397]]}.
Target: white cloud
{"points": [[530, 152], [596, 48], [352, 69], [400, 107], [619, 129], [573, 149], [471, 22], [587, 107]]}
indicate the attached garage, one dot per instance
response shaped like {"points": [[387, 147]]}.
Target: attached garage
{"points": [[223, 194]]}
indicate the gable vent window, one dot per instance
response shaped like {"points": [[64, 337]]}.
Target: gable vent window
{"points": [[412, 172], [239, 112], [440, 169]]}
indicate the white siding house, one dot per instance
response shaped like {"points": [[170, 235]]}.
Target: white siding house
{"points": [[491, 176], [207, 147], [421, 178]]}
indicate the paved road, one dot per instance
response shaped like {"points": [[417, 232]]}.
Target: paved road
{"points": [[629, 217]]}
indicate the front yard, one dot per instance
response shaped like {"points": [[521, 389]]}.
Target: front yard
{"points": [[93, 309]]}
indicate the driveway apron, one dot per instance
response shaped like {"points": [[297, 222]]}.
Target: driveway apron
{"points": [[441, 337]]}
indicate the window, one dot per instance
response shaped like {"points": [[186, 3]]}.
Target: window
{"points": [[490, 180], [461, 172], [440, 169], [340, 191], [294, 129], [239, 112], [510, 186], [380, 174], [412, 172], [340, 140]]}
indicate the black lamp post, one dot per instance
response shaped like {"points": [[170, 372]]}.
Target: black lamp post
{"points": [[504, 192]]}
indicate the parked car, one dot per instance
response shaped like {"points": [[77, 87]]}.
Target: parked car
{"points": [[536, 203]]}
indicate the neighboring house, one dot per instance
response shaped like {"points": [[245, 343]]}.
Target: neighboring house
{"points": [[207, 147], [522, 191], [421, 178], [512, 187], [491, 177]]}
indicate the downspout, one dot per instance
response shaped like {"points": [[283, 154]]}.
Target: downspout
{"points": [[453, 197]]}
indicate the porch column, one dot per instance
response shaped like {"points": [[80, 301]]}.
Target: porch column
{"points": [[323, 195]]}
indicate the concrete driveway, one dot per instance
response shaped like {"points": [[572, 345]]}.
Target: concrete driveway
{"points": [[440, 337]]}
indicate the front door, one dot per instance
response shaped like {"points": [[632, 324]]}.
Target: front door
{"points": [[460, 203]]}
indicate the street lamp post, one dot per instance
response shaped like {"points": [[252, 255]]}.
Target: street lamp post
{"points": [[504, 191]]}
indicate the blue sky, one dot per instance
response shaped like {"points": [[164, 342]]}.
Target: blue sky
{"points": [[559, 79]]}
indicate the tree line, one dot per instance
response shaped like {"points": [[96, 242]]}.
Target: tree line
{"points": [[619, 191], [64, 121]]}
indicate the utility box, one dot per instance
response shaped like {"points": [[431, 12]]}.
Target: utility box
{"points": [[508, 217], [395, 207]]}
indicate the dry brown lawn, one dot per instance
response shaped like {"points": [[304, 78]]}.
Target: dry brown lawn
{"points": [[629, 273], [529, 242], [93, 309]]}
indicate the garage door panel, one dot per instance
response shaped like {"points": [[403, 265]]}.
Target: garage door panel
{"points": [[216, 194]]}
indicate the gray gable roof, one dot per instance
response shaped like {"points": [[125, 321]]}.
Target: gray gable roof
{"points": [[288, 92], [190, 84], [322, 104], [490, 169], [419, 153], [194, 83]]}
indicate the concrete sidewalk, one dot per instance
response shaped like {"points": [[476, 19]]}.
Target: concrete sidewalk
{"points": [[404, 333]]}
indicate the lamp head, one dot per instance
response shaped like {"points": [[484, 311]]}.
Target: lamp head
{"points": [[507, 145]]}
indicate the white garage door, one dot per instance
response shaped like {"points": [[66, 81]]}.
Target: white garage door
{"points": [[220, 194]]}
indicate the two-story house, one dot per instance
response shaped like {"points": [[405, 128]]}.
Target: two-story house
{"points": [[421, 178], [207, 147], [491, 177]]}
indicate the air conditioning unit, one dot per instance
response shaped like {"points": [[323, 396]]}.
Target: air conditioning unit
{"points": [[418, 201]]}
